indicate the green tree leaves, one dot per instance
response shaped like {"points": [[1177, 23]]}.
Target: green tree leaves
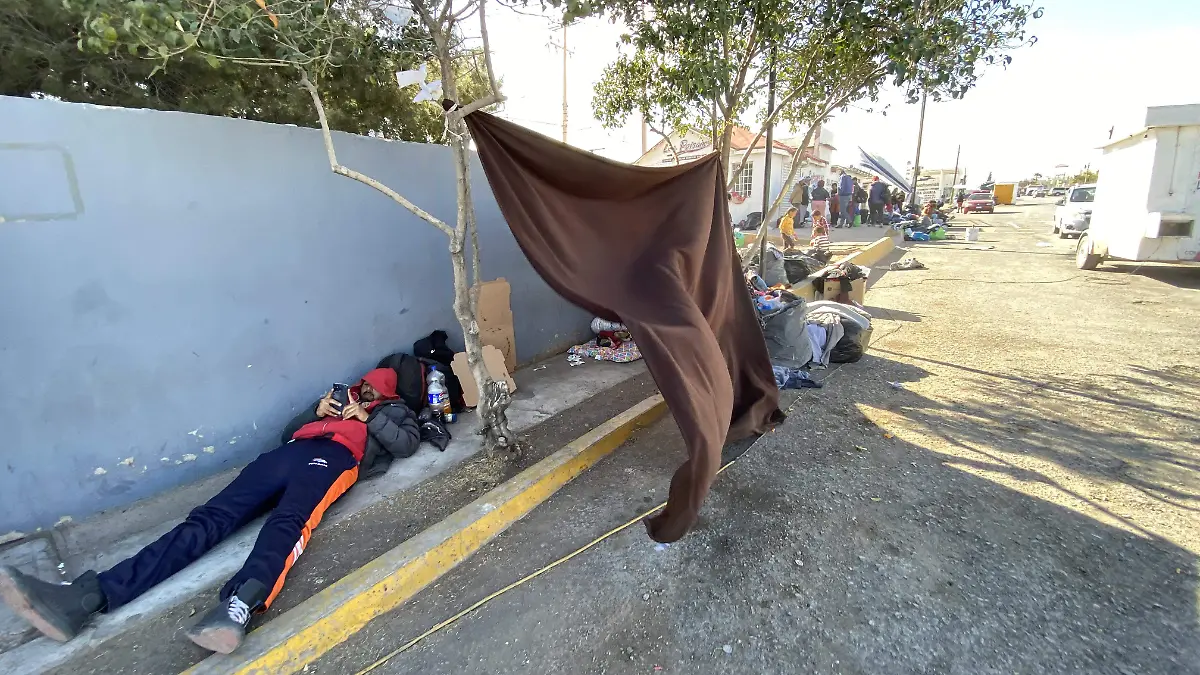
{"points": [[161, 59]]}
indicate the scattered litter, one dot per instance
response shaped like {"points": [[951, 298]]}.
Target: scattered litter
{"points": [[233, 441], [908, 264], [728, 649], [645, 596], [189, 457], [1044, 244], [799, 563], [196, 432], [100, 471], [876, 499], [978, 248], [860, 448], [250, 366], [661, 547], [542, 367], [128, 461], [574, 360], [210, 449], [191, 611], [62, 566], [65, 520], [896, 385], [887, 435], [165, 459]]}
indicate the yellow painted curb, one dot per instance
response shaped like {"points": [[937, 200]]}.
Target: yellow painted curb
{"points": [[301, 635]]}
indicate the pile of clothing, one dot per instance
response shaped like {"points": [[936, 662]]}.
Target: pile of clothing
{"points": [[805, 336], [612, 343]]}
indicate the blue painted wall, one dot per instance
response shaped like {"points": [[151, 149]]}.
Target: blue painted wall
{"points": [[174, 286]]}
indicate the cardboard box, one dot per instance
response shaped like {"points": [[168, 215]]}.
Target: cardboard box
{"points": [[494, 360], [858, 290], [496, 320]]}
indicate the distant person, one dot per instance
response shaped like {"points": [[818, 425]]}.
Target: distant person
{"points": [[834, 207], [860, 202], [319, 459], [787, 228], [846, 197], [800, 199], [959, 199], [820, 232], [876, 198], [820, 198]]}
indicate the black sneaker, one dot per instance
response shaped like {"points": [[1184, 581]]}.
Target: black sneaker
{"points": [[224, 627], [57, 610]]}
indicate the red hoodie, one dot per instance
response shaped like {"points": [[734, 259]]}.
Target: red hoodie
{"points": [[352, 433]]}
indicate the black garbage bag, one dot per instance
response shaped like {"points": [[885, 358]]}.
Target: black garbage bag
{"points": [[433, 349], [433, 430], [849, 349], [797, 269]]}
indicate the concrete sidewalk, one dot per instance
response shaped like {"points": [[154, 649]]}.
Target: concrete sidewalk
{"points": [[976, 495], [545, 392]]}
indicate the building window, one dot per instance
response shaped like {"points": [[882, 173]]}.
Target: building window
{"points": [[745, 181]]}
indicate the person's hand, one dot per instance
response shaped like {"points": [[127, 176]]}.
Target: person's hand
{"points": [[355, 411], [327, 407]]}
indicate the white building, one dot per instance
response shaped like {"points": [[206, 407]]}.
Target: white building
{"points": [[937, 184], [747, 193]]}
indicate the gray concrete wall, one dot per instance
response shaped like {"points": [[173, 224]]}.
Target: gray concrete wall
{"points": [[173, 287]]}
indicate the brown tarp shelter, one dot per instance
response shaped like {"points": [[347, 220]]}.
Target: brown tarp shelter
{"points": [[651, 247]]}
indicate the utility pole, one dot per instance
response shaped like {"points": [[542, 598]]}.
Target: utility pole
{"points": [[564, 119], [917, 161], [644, 125], [956, 155], [766, 179]]}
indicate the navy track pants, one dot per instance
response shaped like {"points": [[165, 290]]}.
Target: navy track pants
{"points": [[296, 482]]}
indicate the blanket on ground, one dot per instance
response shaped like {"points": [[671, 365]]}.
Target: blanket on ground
{"points": [[651, 247]]}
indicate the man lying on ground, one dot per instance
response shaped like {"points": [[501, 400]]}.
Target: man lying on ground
{"points": [[323, 449]]}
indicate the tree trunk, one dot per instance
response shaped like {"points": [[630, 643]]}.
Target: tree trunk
{"points": [[494, 397]]}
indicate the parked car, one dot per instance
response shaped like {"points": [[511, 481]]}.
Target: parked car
{"points": [[1073, 215], [1035, 191], [1058, 191], [979, 201]]}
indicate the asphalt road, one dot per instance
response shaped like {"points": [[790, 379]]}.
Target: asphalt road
{"points": [[1009, 482]]}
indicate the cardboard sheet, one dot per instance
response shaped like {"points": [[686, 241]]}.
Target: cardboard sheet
{"points": [[496, 320], [494, 360]]}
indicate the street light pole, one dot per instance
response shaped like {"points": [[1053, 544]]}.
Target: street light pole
{"points": [[764, 227], [917, 161], [957, 153]]}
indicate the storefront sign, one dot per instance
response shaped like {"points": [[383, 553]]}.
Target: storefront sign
{"points": [[688, 150]]}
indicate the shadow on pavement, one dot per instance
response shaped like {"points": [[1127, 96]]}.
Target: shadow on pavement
{"points": [[835, 544], [1179, 276]]}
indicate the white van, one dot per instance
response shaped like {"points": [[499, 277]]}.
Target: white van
{"points": [[1147, 198], [1073, 213]]}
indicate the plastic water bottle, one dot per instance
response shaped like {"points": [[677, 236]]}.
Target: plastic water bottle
{"points": [[438, 395]]}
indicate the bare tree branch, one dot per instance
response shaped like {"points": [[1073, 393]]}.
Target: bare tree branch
{"points": [[361, 177], [475, 105], [670, 144], [487, 50]]}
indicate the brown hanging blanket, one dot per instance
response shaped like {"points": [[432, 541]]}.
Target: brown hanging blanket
{"points": [[651, 247]]}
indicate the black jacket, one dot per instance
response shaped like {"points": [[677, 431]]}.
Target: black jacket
{"points": [[392, 432]]}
